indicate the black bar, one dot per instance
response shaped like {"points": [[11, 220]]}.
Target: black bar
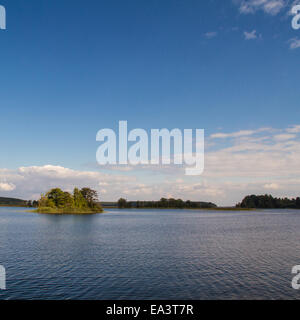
{"points": [[153, 309]]}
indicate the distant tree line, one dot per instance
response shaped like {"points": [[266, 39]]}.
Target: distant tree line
{"points": [[12, 202], [268, 202], [165, 203]]}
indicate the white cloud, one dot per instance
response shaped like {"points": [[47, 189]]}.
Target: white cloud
{"points": [[293, 129], [250, 35], [294, 43], [272, 186], [284, 136], [7, 186], [232, 135], [237, 134], [28, 182], [259, 156], [210, 35], [272, 7], [252, 161]]}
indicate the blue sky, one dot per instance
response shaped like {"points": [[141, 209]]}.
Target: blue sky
{"points": [[69, 69]]}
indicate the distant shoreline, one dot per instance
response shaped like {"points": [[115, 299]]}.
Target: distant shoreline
{"points": [[193, 209], [70, 211], [12, 206], [144, 208]]}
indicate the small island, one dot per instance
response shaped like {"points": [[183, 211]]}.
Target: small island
{"points": [[57, 201]]}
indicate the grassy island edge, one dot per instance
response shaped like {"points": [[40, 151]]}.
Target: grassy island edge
{"points": [[70, 211]]}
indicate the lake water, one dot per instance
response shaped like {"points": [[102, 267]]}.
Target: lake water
{"points": [[150, 254]]}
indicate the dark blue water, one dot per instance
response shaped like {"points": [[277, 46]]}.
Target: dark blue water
{"points": [[150, 254]]}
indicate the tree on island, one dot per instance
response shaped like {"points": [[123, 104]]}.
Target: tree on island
{"points": [[91, 196], [59, 201]]}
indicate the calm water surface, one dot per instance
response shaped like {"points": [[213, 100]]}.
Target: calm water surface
{"points": [[150, 254]]}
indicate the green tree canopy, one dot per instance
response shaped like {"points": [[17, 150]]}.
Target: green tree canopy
{"points": [[81, 200]]}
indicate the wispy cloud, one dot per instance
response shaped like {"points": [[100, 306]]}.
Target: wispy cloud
{"points": [[249, 161], [232, 135], [293, 129], [250, 35], [284, 136], [210, 35], [294, 43], [238, 134], [272, 7]]}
